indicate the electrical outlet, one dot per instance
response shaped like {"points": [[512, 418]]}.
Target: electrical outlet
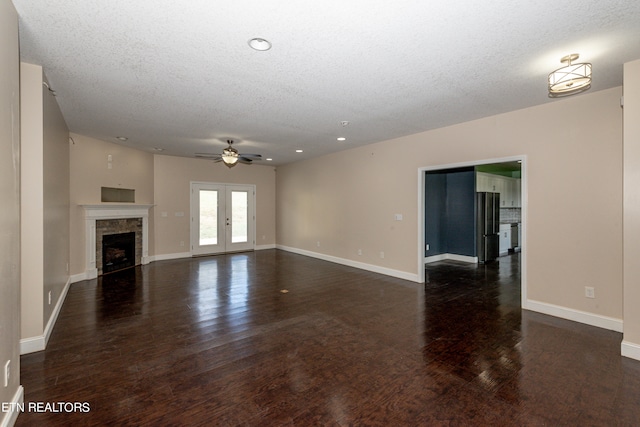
{"points": [[589, 292], [181, 242], [49, 297], [359, 251], [381, 254], [7, 373], [318, 243]]}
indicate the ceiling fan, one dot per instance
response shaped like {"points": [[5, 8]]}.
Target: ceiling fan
{"points": [[230, 156]]}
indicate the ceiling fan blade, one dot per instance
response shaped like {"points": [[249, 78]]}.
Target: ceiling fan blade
{"points": [[208, 155], [244, 160], [251, 156]]}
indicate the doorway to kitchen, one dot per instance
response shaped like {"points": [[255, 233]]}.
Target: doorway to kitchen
{"points": [[515, 204], [222, 218]]}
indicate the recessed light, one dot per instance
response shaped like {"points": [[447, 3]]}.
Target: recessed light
{"points": [[345, 122], [158, 149], [259, 44], [122, 138], [298, 151], [341, 138], [269, 159]]}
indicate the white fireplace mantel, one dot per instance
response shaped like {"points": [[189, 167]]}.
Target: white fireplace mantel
{"points": [[92, 213]]}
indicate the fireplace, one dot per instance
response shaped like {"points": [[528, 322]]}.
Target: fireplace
{"points": [[108, 219], [118, 251], [117, 230]]}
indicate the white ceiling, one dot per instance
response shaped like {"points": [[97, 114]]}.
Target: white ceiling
{"points": [[181, 76]]}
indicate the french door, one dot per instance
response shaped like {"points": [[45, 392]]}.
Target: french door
{"points": [[222, 218]]}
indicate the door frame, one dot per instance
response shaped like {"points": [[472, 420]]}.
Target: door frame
{"points": [[251, 232], [524, 204]]}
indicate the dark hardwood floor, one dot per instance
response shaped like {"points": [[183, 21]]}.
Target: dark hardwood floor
{"points": [[214, 341]]}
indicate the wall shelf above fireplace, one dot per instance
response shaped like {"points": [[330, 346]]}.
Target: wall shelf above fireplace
{"points": [[115, 210]]}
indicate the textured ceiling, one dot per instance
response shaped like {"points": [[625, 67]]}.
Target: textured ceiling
{"points": [[181, 76]]}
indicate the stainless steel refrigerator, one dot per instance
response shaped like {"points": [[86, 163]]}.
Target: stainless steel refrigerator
{"points": [[487, 226]]}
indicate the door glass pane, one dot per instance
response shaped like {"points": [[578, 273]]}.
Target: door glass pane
{"points": [[208, 217], [239, 216]]}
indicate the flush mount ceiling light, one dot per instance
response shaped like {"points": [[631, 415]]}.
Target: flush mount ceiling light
{"points": [[259, 44], [570, 79], [122, 138]]}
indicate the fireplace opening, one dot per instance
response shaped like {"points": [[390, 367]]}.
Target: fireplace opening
{"points": [[118, 251]]}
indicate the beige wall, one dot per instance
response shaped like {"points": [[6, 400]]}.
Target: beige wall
{"points": [[130, 168], [172, 177], [10, 195], [160, 180], [32, 191], [44, 202], [573, 148], [632, 209], [55, 142]]}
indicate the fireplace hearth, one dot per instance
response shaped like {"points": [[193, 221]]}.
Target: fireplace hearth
{"points": [[118, 251]]}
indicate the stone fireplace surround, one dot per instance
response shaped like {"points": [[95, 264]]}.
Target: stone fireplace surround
{"points": [[112, 230], [108, 211]]}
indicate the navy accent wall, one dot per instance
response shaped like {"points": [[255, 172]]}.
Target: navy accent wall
{"points": [[450, 212], [435, 209]]}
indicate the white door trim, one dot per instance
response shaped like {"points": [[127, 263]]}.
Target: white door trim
{"points": [[421, 213], [224, 244]]}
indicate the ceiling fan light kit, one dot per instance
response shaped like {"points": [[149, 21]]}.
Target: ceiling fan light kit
{"points": [[230, 156], [570, 79]]}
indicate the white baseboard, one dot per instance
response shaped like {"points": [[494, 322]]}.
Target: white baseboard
{"points": [[179, 255], [165, 257], [75, 278], [361, 265], [32, 344], [630, 350], [56, 311], [264, 247], [10, 417], [454, 257], [604, 322], [39, 343]]}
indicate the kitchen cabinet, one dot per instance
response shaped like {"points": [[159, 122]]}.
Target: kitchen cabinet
{"points": [[512, 193], [489, 182], [509, 188], [482, 182], [517, 193], [505, 238]]}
